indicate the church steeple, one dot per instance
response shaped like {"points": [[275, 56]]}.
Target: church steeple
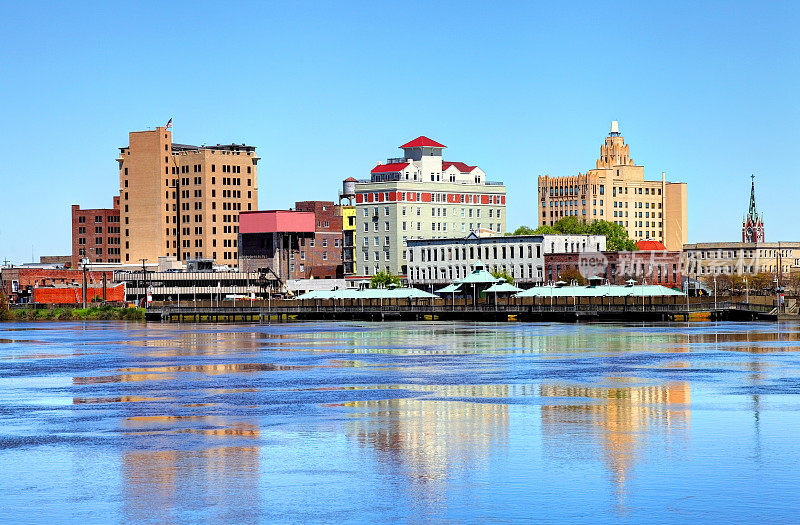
{"points": [[753, 223], [752, 213]]}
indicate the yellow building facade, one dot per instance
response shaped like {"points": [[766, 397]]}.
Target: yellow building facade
{"points": [[616, 191], [349, 239]]}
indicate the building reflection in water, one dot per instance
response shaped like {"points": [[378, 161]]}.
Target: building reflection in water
{"points": [[221, 473], [211, 342], [620, 420], [422, 439]]}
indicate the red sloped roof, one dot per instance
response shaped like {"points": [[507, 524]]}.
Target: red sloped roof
{"points": [[421, 142], [351, 179], [390, 168], [460, 166], [650, 246]]}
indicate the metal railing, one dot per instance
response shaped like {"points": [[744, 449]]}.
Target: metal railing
{"points": [[485, 308]]}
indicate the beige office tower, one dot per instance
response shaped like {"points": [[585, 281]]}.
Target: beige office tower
{"points": [[616, 191], [183, 201]]}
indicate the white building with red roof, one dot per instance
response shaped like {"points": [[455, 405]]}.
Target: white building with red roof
{"points": [[421, 196]]}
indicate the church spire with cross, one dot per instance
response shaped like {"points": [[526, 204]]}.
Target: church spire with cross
{"points": [[753, 223]]}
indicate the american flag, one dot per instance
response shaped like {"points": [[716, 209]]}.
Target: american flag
{"points": [[169, 124]]}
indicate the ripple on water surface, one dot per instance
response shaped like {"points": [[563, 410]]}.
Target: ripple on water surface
{"points": [[397, 421]]}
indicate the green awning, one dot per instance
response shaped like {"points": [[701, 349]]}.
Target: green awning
{"points": [[606, 290], [450, 288], [504, 287]]}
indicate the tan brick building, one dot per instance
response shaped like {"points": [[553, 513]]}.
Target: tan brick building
{"points": [[616, 191], [741, 258], [181, 200]]}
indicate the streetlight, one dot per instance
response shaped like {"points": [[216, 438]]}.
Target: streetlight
{"points": [[84, 262], [746, 291], [715, 291]]}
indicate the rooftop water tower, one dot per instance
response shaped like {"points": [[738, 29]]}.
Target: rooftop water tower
{"points": [[348, 191]]}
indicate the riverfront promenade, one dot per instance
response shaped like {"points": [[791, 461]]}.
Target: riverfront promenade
{"points": [[293, 310]]}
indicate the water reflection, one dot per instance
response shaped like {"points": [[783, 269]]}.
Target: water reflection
{"points": [[423, 439], [162, 471], [620, 419], [182, 485], [429, 422]]}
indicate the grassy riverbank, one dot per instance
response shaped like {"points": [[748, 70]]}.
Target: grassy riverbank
{"points": [[73, 314]]}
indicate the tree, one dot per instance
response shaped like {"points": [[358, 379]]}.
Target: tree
{"points": [[383, 279], [524, 230], [5, 312], [762, 282], [725, 283], [616, 236], [545, 229], [502, 274], [571, 274], [793, 282]]}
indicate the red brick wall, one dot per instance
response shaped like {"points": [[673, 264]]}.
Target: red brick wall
{"points": [[33, 277], [108, 250], [74, 295], [321, 261], [660, 267]]}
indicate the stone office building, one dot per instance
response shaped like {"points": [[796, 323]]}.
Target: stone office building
{"points": [[616, 191], [437, 262], [740, 258]]}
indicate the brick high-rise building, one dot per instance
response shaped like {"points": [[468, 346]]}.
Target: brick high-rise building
{"points": [[616, 191], [181, 200], [96, 235], [421, 196]]}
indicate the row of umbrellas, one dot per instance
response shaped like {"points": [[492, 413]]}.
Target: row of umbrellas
{"points": [[480, 276]]}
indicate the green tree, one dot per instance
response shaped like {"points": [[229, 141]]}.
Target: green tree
{"points": [[524, 230], [502, 274], [616, 237], [383, 279], [571, 226]]}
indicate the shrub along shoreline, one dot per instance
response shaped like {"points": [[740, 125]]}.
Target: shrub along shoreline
{"points": [[95, 313]]}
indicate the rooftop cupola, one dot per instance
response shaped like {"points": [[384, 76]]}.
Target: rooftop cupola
{"points": [[614, 152], [422, 147]]}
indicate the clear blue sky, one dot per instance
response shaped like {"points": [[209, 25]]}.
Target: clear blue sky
{"points": [[707, 93]]}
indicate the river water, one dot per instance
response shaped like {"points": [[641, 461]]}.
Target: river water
{"points": [[326, 422]]}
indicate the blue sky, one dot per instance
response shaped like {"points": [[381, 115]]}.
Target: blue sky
{"points": [[706, 92]]}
